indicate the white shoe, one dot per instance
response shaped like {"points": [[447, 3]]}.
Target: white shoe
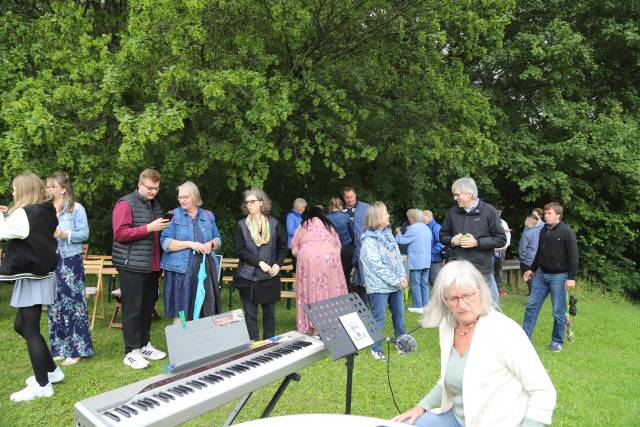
{"points": [[378, 355], [135, 360], [416, 310], [152, 353], [31, 392], [54, 377]]}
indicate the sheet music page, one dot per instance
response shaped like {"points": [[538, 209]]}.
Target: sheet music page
{"points": [[356, 330]]}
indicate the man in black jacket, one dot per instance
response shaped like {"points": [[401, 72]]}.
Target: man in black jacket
{"points": [[472, 230], [554, 269]]}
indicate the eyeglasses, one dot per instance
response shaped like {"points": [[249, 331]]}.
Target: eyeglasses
{"points": [[183, 197], [153, 189], [250, 202], [467, 298]]}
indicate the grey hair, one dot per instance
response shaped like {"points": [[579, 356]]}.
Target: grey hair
{"points": [[465, 185], [260, 195], [191, 189], [299, 203], [415, 214], [373, 217], [462, 275]]}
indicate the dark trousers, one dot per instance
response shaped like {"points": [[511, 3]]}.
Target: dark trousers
{"points": [[346, 257], [251, 317], [27, 324], [139, 293], [497, 267]]}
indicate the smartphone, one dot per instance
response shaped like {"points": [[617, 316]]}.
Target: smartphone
{"points": [[168, 215]]}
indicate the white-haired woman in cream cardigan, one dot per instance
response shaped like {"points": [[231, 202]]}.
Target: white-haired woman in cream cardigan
{"points": [[490, 373]]}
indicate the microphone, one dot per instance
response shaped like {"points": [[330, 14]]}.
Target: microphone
{"points": [[405, 342]]}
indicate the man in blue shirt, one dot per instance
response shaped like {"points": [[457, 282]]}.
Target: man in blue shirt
{"points": [[294, 219], [356, 211], [436, 247]]}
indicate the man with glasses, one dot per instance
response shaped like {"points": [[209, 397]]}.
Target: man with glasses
{"points": [[137, 221], [473, 230]]}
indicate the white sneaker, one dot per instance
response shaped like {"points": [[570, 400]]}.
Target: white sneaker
{"points": [[152, 353], [416, 310], [378, 355], [54, 377], [31, 392], [135, 360]]}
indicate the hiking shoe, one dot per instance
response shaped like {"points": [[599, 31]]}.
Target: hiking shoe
{"points": [[135, 360], [31, 392], [419, 310], [152, 353], [378, 355], [54, 377], [555, 347]]}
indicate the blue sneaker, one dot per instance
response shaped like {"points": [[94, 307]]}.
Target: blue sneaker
{"points": [[555, 347]]}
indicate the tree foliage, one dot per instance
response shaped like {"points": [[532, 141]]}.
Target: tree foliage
{"points": [[536, 100]]}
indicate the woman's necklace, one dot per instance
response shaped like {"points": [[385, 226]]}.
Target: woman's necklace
{"points": [[462, 334]]}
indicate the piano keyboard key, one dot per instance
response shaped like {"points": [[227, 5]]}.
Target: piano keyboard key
{"points": [[175, 401]]}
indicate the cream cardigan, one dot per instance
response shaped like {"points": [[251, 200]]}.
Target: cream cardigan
{"points": [[504, 380]]}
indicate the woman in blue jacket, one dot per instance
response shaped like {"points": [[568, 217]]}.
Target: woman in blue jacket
{"points": [[68, 318], [192, 234], [383, 273]]}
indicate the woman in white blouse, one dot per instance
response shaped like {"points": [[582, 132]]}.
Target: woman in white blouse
{"points": [[490, 373]]}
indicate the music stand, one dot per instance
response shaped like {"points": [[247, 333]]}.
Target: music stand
{"points": [[325, 317]]}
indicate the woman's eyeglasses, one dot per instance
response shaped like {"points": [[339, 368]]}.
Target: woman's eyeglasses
{"points": [[250, 202], [467, 298]]}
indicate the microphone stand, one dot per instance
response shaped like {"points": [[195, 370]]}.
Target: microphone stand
{"points": [[393, 340], [349, 364]]}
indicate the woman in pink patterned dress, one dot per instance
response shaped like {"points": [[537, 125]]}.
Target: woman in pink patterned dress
{"points": [[319, 274]]}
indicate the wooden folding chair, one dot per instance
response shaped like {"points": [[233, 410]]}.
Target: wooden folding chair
{"points": [[94, 267]]}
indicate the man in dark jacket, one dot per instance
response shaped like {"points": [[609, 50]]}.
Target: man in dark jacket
{"points": [[554, 270], [137, 221], [472, 230]]}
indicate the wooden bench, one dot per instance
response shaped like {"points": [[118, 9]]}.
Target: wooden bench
{"points": [[512, 268]]}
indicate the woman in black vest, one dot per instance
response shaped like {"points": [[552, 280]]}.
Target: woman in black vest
{"points": [[30, 261], [261, 246]]}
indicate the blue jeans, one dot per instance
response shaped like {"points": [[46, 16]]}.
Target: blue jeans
{"points": [[431, 419], [379, 310], [419, 287], [544, 284], [492, 285]]}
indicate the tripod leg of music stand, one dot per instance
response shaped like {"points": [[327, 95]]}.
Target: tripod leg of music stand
{"points": [[278, 394], [349, 363], [232, 416]]}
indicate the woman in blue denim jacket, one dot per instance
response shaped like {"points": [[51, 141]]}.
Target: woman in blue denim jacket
{"points": [[192, 233], [383, 272], [67, 317]]}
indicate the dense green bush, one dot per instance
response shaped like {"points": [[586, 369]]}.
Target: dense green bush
{"points": [[536, 100]]}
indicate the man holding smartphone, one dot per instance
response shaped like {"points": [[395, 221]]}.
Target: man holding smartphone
{"points": [[137, 220]]}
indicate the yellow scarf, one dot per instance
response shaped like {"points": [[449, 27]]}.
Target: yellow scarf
{"points": [[259, 232]]}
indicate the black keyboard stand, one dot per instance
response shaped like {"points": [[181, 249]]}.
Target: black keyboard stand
{"points": [[325, 317], [272, 403]]}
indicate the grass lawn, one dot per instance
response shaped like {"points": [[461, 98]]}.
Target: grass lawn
{"points": [[597, 377]]}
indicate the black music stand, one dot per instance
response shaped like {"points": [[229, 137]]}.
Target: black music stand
{"points": [[325, 317]]}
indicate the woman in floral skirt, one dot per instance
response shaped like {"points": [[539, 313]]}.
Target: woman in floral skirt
{"points": [[68, 319]]}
